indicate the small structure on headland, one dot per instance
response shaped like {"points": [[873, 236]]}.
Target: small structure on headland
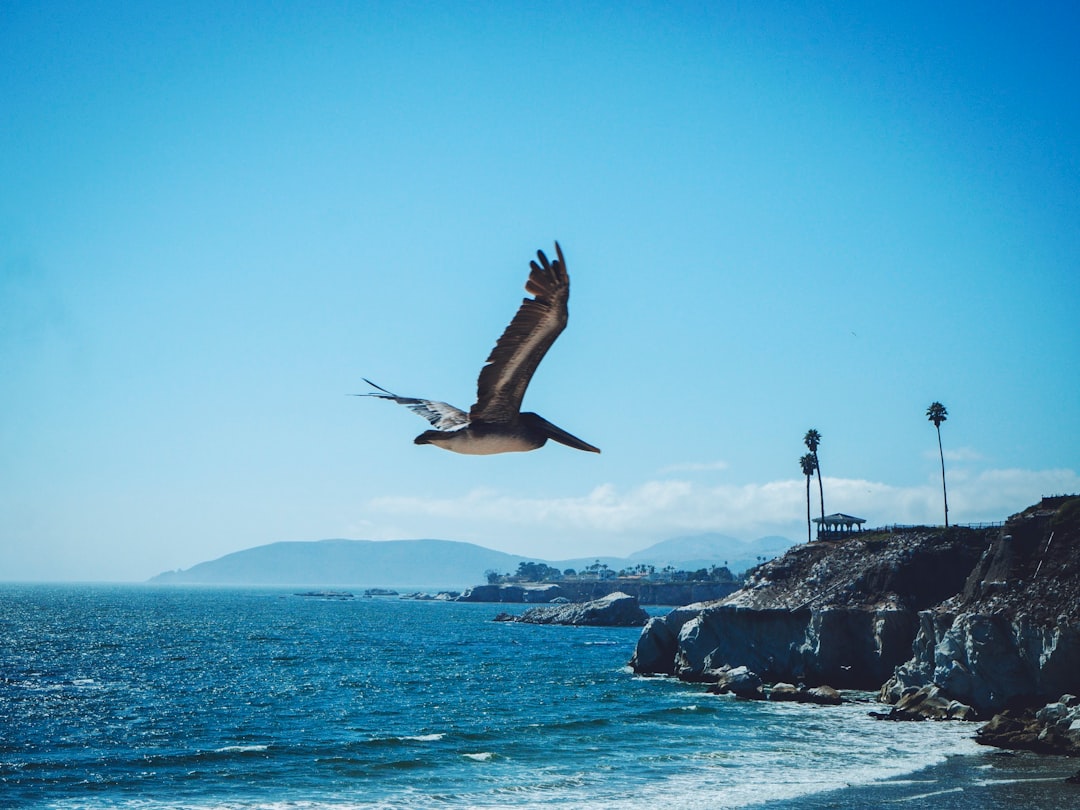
{"points": [[838, 525]]}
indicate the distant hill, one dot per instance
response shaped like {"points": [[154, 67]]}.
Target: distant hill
{"points": [[440, 564], [416, 564]]}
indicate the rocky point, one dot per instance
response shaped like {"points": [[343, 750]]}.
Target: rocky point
{"points": [[946, 623]]}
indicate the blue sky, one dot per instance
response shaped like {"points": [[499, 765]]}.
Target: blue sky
{"points": [[216, 218]]}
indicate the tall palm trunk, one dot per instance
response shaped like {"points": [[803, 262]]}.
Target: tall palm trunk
{"points": [[808, 465], [808, 534], [944, 493], [821, 491]]}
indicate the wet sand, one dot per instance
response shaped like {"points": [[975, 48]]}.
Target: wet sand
{"points": [[996, 779]]}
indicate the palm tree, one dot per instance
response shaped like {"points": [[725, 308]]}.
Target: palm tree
{"points": [[812, 440], [937, 414], [808, 466]]}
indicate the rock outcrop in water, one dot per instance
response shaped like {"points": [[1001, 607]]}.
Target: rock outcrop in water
{"points": [[613, 610], [956, 622]]}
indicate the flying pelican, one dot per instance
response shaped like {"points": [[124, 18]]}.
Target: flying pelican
{"points": [[495, 424]]}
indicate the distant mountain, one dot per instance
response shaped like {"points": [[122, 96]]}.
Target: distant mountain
{"points": [[440, 564], [415, 564]]}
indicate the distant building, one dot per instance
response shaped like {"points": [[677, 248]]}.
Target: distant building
{"points": [[838, 525]]}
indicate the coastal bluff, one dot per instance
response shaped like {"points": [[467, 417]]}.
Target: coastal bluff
{"points": [[1010, 637], [985, 616]]}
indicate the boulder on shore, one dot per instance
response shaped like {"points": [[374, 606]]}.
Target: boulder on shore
{"points": [[614, 610], [822, 695], [1053, 729], [739, 681], [926, 703]]}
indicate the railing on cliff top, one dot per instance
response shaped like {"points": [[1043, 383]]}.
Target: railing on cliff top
{"points": [[903, 527]]}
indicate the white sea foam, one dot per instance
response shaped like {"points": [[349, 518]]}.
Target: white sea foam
{"points": [[825, 749], [923, 796], [424, 737], [482, 756], [240, 749]]}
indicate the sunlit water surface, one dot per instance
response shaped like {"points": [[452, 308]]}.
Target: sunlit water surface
{"points": [[148, 697]]}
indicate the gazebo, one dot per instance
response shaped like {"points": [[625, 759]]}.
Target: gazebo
{"points": [[838, 525]]}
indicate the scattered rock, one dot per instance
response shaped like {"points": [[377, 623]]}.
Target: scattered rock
{"points": [[738, 681], [613, 610], [442, 596], [822, 695], [782, 692], [926, 703], [338, 595], [1053, 729]]}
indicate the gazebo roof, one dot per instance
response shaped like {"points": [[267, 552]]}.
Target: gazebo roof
{"points": [[838, 519]]}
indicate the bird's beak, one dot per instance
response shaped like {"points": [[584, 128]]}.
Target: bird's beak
{"points": [[562, 437]]}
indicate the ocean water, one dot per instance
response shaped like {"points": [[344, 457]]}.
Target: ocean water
{"points": [[227, 699]]}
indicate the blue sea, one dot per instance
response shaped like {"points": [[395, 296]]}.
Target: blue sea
{"points": [[229, 699]]}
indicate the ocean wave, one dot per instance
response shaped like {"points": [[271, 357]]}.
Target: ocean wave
{"points": [[241, 749], [424, 737]]}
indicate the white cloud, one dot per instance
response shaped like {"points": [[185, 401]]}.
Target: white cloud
{"points": [[613, 520]]}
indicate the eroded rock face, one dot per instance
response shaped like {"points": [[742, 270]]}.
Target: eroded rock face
{"points": [[659, 641], [614, 610], [959, 621], [1012, 635], [854, 648], [990, 661], [840, 612]]}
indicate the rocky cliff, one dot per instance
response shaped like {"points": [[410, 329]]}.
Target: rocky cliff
{"points": [[843, 612], [987, 617], [1011, 635]]}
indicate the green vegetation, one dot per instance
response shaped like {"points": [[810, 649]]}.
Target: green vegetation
{"points": [[1068, 514], [541, 572]]}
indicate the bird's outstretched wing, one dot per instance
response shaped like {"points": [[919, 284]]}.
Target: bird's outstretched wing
{"points": [[441, 415], [512, 363]]}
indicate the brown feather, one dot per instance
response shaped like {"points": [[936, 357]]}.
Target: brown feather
{"points": [[518, 352]]}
